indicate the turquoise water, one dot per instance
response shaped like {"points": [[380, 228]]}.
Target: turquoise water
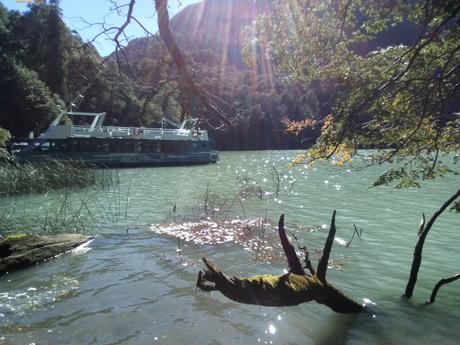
{"points": [[135, 286]]}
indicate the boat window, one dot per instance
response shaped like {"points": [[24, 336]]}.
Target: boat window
{"points": [[44, 146], [146, 146], [94, 145], [61, 146], [85, 146], [75, 145], [137, 146], [158, 147], [126, 146], [65, 120], [178, 146]]}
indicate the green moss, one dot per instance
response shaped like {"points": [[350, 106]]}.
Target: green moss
{"points": [[299, 283], [266, 279], [294, 282], [15, 236]]}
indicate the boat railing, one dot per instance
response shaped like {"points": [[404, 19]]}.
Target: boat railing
{"points": [[115, 131]]}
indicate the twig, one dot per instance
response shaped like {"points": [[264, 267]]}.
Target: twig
{"points": [[355, 232], [242, 207], [277, 182], [179, 250], [306, 259]]}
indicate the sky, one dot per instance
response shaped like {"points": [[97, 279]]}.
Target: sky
{"points": [[79, 14]]}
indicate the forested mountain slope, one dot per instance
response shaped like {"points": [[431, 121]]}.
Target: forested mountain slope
{"points": [[43, 64]]}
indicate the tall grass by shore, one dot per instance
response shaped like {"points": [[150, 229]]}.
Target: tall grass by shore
{"points": [[66, 211], [58, 208], [50, 176]]}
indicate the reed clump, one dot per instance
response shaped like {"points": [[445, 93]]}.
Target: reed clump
{"points": [[89, 212], [50, 176]]}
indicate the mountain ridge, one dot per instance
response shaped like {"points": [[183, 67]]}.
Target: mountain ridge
{"points": [[217, 25]]}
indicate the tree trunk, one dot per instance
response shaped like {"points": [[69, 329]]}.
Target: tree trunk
{"points": [[212, 109], [290, 289]]}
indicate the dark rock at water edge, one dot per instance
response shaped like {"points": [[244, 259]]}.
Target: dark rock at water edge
{"points": [[17, 253]]}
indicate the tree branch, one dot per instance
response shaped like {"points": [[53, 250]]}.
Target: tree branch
{"points": [[210, 108], [417, 260], [291, 256], [306, 259], [441, 283], [286, 290], [322, 265]]}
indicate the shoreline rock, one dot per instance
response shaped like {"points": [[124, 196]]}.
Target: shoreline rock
{"points": [[22, 252]]}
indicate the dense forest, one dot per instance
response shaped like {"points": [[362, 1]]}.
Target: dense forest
{"points": [[45, 64]]}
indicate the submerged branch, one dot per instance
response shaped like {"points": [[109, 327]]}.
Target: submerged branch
{"points": [[289, 289], [441, 283], [306, 259], [293, 261], [322, 265], [417, 260]]}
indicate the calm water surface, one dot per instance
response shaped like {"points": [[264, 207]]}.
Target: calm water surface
{"points": [[133, 287]]}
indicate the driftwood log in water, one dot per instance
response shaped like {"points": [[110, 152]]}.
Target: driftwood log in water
{"points": [[290, 289], [20, 252]]}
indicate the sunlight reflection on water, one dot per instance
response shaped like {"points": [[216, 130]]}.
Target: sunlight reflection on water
{"points": [[137, 286]]}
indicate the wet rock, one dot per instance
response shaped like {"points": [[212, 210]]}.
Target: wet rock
{"points": [[20, 252]]}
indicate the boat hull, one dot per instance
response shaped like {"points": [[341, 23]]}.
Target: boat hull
{"points": [[125, 159], [119, 153]]}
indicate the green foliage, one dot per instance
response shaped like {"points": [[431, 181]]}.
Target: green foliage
{"points": [[305, 62], [66, 211], [63, 213], [402, 177], [26, 103], [143, 88], [399, 99], [455, 207], [44, 64], [4, 137]]}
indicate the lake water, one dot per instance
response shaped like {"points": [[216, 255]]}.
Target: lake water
{"points": [[137, 286]]}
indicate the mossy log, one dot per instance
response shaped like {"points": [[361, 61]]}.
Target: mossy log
{"points": [[290, 289], [22, 251]]}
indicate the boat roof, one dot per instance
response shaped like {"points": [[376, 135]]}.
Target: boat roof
{"points": [[60, 129]]}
